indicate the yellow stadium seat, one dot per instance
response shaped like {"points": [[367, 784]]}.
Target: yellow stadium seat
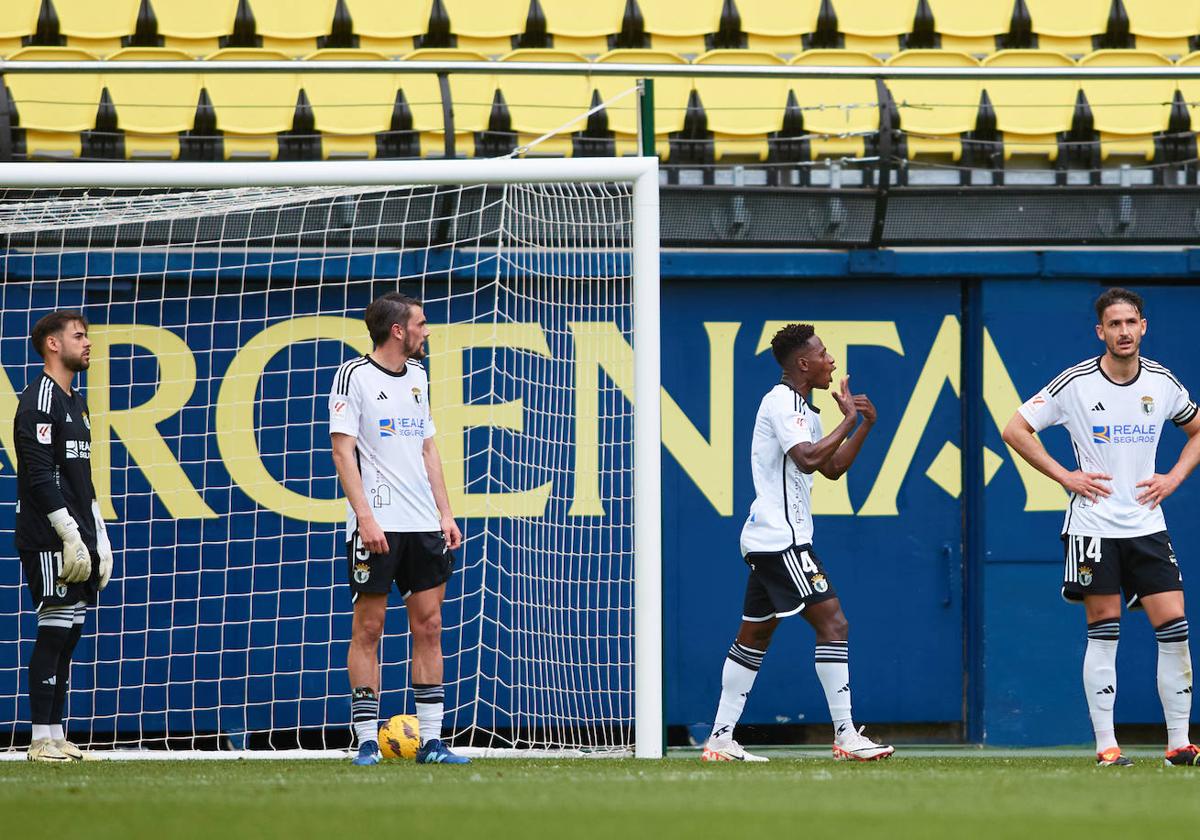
{"points": [[54, 108], [1164, 26], [742, 112], [349, 109], [486, 26], [971, 27], [194, 27], [1067, 26], [670, 99], [838, 112], [18, 18], [94, 26], [470, 95], [934, 112], [540, 103], [292, 28], [874, 26], [153, 108], [778, 27], [583, 27], [1190, 88], [1128, 112], [679, 26], [387, 26], [1031, 113], [251, 108]]}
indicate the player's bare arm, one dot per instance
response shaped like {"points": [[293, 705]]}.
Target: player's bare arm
{"points": [[810, 457], [1157, 487], [1020, 436], [347, 469], [845, 454], [437, 482]]}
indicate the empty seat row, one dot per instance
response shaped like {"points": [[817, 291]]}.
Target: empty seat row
{"points": [[367, 114], [688, 27]]}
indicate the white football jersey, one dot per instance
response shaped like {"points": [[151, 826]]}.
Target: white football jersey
{"points": [[388, 414], [1115, 429], [781, 515]]}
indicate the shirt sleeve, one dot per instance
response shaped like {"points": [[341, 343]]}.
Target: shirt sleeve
{"points": [[344, 410], [1043, 410], [791, 424], [1182, 409], [35, 433], [429, 427]]}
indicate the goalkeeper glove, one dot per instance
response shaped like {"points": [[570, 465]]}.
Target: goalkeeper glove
{"points": [[103, 546], [76, 561]]}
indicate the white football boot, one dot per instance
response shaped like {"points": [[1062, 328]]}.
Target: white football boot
{"points": [[43, 749], [854, 746], [727, 749], [69, 750]]}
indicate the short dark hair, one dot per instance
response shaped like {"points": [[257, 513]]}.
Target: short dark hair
{"points": [[1118, 295], [790, 339], [53, 324], [392, 308]]}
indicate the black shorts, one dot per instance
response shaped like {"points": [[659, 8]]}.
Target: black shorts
{"points": [[1136, 566], [46, 590], [784, 583], [414, 562]]}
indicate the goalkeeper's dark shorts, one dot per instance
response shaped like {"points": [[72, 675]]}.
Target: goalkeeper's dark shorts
{"points": [[46, 590], [414, 562]]}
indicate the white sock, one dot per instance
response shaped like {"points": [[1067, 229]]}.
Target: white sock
{"points": [[431, 703], [1100, 679], [1175, 680], [737, 678], [364, 712], [833, 670], [56, 732], [41, 731]]}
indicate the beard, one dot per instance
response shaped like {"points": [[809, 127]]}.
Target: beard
{"points": [[75, 364], [418, 353]]}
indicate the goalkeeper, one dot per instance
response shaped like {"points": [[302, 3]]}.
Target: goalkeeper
{"points": [[59, 532]]}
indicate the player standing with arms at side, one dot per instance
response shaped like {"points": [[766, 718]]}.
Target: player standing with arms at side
{"points": [[786, 576], [59, 533], [1114, 534], [399, 527]]}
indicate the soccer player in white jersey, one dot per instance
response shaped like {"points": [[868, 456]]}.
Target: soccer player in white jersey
{"points": [[786, 576], [399, 526], [1115, 537]]}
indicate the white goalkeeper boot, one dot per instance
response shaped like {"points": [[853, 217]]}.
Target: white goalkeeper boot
{"points": [[69, 750], [727, 749], [855, 746], [43, 749]]}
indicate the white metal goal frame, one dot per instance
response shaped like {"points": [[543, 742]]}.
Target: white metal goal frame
{"points": [[640, 173]]}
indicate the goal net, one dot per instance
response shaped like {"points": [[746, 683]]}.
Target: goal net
{"points": [[222, 299]]}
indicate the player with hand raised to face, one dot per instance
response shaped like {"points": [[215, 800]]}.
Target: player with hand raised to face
{"points": [[786, 576], [1114, 534], [399, 526], [59, 533]]}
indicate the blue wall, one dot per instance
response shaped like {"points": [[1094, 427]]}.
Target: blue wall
{"points": [[919, 636]]}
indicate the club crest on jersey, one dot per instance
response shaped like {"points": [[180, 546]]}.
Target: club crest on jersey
{"points": [[362, 572], [1085, 575], [1148, 405], [416, 392], [61, 590], [87, 422], [819, 584], [387, 427]]}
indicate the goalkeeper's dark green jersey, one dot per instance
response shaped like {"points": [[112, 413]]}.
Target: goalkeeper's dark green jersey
{"points": [[54, 465]]}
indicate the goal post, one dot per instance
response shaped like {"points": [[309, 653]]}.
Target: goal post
{"points": [[556, 634]]}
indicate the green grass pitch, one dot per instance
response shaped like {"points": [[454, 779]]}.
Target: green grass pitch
{"points": [[928, 794]]}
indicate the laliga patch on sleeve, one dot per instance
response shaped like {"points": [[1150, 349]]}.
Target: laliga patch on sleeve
{"points": [[43, 433], [338, 412]]}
